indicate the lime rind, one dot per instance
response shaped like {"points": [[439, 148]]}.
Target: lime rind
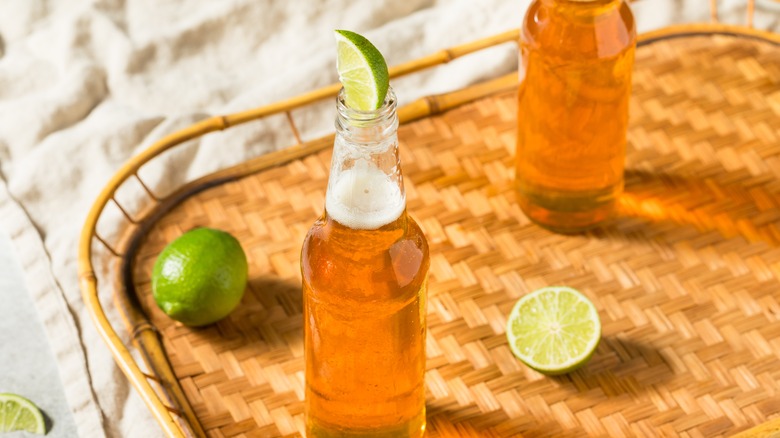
{"points": [[19, 414], [533, 339], [200, 277], [362, 71]]}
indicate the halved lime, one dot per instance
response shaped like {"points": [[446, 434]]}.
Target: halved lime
{"points": [[362, 71], [554, 330], [18, 413]]}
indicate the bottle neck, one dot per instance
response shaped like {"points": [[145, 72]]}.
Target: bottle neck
{"points": [[365, 187], [366, 127]]}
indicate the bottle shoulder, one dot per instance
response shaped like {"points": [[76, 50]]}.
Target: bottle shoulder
{"points": [[332, 253], [565, 29], [328, 231]]}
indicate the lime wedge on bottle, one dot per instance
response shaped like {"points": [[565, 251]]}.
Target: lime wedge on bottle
{"points": [[18, 413], [554, 330], [362, 71]]}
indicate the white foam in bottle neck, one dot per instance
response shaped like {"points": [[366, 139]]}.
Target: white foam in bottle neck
{"points": [[364, 198]]}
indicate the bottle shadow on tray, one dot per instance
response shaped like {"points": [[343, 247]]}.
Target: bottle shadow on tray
{"points": [[269, 315], [669, 207], [453, 420]]}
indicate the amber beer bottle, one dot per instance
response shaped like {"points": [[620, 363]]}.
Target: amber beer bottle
{"points": [[364, 265], [575, 84]]}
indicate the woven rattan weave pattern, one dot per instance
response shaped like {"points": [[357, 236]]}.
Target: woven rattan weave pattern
{"points": [[685, 280]]}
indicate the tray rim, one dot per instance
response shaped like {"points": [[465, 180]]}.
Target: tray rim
{"points": [[170, 398]]}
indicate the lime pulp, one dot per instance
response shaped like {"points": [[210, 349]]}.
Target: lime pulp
{"points": [[554, 330], [19, 414]]}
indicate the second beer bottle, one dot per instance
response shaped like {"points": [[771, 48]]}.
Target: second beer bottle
{"points": [[576, 63]]}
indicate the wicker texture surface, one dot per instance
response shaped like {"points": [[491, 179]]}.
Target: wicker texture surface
{"points": [[685, 280]]}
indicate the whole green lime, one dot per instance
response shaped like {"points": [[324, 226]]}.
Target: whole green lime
{"points": [[200, 277]]}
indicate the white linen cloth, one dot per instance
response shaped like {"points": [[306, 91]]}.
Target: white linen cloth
{"points": [[85, 85]]}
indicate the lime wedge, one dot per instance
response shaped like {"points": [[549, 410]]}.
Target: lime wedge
{"points": [[18, 413], [554, 330], [362, 71]]}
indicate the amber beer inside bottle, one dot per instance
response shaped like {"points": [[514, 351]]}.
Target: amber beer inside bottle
{"points": [[575, 85], [364, 266]]}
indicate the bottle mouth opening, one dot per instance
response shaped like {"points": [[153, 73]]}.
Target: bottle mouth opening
{"points": [[384, 112]]}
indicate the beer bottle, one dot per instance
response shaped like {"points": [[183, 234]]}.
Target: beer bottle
{"points": [[364, 265], [575, 84]]}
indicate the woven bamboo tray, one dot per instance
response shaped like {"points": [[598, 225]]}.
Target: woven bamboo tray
{"points": [[685, 280]]}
